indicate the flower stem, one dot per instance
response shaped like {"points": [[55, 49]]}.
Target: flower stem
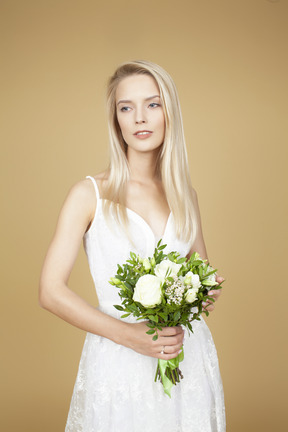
{"points": [[157, 373]]}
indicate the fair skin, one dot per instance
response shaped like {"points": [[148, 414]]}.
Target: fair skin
{"points": [[138, 109]]}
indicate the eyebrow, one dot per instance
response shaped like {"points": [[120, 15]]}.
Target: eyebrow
{"points": [[129, 101]]}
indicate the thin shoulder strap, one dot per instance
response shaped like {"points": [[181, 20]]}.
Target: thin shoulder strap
{"points": [[95, 186]]}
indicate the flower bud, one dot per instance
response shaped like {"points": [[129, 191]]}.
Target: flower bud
{"points": [[140, 259], [114, 281], [146, 264]]}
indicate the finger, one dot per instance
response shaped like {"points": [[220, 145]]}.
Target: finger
{"points": [[214, 293], [219, 279], [172, 349], [208, 302], [171, 331], [168, 356], [169, 341], [209, 308]]}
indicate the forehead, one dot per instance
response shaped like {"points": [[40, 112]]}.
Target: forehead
{"points": [[136, 86]]}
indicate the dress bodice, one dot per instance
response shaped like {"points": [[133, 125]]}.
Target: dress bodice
{"points": [[107, 244]]}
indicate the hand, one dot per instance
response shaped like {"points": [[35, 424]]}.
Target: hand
{"points": [[170, 340], [210, 305]]}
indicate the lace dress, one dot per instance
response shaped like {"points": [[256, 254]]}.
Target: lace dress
{"points": [[115, 389]]}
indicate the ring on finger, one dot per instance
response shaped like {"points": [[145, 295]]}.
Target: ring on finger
{"points": [[163, 350]]}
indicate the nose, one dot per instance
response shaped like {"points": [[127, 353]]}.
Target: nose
{"points": [[140, 116]]}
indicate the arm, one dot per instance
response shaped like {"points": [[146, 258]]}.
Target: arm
{"points": [[55, 296], [199, 246]]}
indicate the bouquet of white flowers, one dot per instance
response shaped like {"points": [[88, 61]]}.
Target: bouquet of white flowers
{"points": [[163, 290]]}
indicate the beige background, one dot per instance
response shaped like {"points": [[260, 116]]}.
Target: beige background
{"points": [[229, 61]]}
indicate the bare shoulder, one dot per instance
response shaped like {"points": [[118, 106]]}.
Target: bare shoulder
{"points": [[82, 191], [82, 196], [81, 201]]}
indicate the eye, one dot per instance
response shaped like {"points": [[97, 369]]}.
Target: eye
{"points": [[154, 105], [125, 109]]}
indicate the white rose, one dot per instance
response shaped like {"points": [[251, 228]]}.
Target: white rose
{"points": [[161, 269], [191, 295], [148, 291], [192, 279]]}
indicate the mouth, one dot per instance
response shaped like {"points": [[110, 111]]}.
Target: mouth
{"points": [[143, 133]]}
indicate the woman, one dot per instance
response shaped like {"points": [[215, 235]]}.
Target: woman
{"points": [[145, 195]]}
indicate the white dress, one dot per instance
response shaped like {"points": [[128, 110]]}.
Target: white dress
{"points": [[115, 389]]}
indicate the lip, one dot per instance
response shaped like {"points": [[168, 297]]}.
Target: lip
{"points": [[143, 134]]}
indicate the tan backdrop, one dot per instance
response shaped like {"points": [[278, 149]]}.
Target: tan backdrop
{"points": [[229, 60]]}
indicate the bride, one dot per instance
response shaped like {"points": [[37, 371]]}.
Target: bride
{"points": [[144, 195]]}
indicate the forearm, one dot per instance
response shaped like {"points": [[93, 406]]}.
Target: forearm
{"points": [[76, 311], [72, 308]]}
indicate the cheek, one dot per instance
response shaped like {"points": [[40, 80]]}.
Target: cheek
{"points": [[121, 123], [162, 119]]}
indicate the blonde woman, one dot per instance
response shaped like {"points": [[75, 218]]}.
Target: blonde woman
{"points": [[144, 195]]}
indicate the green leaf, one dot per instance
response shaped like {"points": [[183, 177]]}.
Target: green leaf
{"points": [[150, 332], [163, 315], [200, 296], [190, 327], [120, 308], [155, 337], [151, 325], [153, 318], [128, 285], [181, 260], [150, 311], [177, 315], [126, 315]]}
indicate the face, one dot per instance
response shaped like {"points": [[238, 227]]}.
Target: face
{"points": [[140, 113]]}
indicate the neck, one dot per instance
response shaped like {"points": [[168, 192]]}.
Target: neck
{"points": [[143, 166]]}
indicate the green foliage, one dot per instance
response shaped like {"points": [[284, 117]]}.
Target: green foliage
{"points": [[164, 314]]}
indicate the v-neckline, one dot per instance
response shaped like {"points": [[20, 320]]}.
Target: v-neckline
{"points": [[147, 226]]}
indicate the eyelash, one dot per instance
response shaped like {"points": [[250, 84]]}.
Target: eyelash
{"points": [[156, 104], [126, 109]]}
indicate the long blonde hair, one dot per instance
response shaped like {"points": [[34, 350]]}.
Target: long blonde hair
{"points": [[172, 163]]}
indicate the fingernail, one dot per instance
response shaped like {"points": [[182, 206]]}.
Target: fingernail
{"points": [[179, 352]]}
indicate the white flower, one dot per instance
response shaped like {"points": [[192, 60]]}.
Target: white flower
{"points": [[146, 264], [210, 280], [192, 279], [161, 269], [191, 295], [148, 291]]}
